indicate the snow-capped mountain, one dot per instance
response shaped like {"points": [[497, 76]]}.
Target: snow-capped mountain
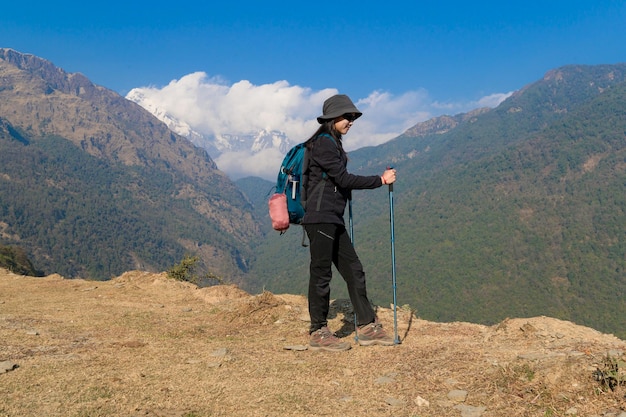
{"points": [[217, 144], [254, 142], [174, 124]]}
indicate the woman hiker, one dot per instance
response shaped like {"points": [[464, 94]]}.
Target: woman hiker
{"points": [[328, 189]]}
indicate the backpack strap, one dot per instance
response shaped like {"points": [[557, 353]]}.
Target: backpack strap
{"points": [[320, 185], [305, 179]]}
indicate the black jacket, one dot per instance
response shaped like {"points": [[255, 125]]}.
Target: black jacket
{"points": [[327, 163]]}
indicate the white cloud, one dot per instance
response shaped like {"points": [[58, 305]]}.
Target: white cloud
{"points": [[386, 116], [493, 100], [452, 108], [213, 107], [263, 164]]}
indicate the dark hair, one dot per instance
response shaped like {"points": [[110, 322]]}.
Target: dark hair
{"points": [[327, 127]]}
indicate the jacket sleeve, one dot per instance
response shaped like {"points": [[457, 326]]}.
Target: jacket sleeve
{"points": [[327, 156]]}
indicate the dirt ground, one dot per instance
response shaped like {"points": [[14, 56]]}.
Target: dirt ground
{"points": [[144, 345]]}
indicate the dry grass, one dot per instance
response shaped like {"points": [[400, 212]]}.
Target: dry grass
{"points": [[144, 345]]}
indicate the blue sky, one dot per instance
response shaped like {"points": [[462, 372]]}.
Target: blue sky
{"points": [[455, 50], [419, 58]]}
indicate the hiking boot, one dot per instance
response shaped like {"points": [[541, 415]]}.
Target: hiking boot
{"points": [[374, 334], [324, 339]]}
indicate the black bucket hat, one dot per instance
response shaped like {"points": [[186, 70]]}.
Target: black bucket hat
{"points": [[336, 106]]}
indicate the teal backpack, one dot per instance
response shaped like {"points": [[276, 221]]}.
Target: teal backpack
{"points": [[288, 202]]}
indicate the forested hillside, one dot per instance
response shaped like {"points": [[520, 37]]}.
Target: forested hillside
{"points": [[92, 185], [511, 212]]}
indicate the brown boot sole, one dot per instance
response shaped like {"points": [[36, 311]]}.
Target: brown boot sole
{"points": [[380, 342], [342, 348]]}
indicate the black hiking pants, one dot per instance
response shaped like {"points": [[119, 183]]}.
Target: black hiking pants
{"points": [[330, 244]]}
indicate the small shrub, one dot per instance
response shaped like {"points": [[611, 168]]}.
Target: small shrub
{"points": [[185, 271], [612, 373]]}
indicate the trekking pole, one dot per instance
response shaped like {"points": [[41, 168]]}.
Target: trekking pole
{"points": [[350, 223], [396, 340]]}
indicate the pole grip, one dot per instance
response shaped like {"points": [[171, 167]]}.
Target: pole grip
{"points": [[390, 185]]}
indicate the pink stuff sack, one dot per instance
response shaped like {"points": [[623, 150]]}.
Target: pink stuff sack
{"points": [[278, 212]]}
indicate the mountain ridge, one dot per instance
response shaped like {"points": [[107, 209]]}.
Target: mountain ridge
{"points": [[44, 109], [516, 211]]}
